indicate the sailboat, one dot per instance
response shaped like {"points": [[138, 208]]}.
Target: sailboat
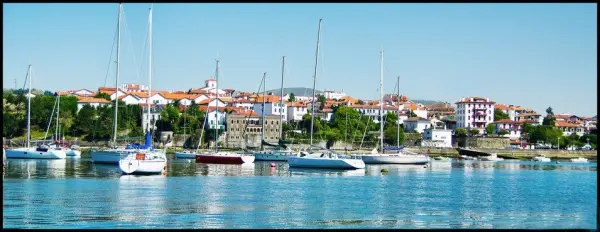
{"points": [[321, 160], [59, 143], [221, 157], [279, 153], [114, 154], [395, 158], [28, 152], [151, 161], [192, 154]]}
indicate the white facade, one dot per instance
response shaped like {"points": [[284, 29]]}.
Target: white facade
{"points": [[474, 112], [333, 94], [530, 116], [373, 111], [418, 125], [158, 99], [131, 100], [437, 137], [243, 104], [186, 102], [272, 108], [295, 113], [513, 128], [93, 104], [114, 94], [216, 103], [200, 98], [217, 116], [150, 119], [422, 113]]}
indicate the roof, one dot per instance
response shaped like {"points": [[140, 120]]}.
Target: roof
{"points": [[245, 113], [92, 100], [475, 100], [565, 124], [528, 114], [295, 104], [504, 121], [527, 121]]}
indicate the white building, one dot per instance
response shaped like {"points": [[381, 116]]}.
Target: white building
{"points": [[530, 117], [216, 119], [272, 108], [514, 128], [134, 88], [130, 99], [416, 124], [437, 137], [243, 103], [150, 119], [210, 88], [332, 94], [474, 113], [159, 99], [372, 111], [570, 128], [296, 111], [94, 102]]}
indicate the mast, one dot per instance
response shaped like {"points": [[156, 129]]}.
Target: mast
{"points": [[149, 67], [281, 99], [381, 103], [117, 75], [398, 118], [217, 108], [312, 110], [29, 108], [262, 132], [57, 116]]}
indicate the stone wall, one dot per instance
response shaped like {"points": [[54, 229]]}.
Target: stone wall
{"points": [[483, 142]]}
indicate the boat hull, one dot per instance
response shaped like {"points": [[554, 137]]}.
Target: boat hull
{"points": [[579, 160], [143, 167], [108, 157], [73, 153], [327, 163], [183, 155], [223, 158], [32, 153], [395, 159], [272, 156]]}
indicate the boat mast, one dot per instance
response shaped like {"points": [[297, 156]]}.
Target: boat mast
{"points": [[398, 118], [149, 66], [281, 99], [262, 130], [29, 108], [57, 116], [381, 103], [217, 108], [117, 75], [312, 110]]}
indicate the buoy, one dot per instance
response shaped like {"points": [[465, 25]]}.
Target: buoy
{"points": [[272, 164], [384, 170]]}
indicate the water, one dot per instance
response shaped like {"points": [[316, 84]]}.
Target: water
{"points": [[74, 193]]}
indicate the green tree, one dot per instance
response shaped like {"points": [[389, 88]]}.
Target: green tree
{"points": [[85, 120], [102, 95], [549, 120], [473, 132], [321, 100], [292, 97], [306, 124], [391, 120], [490, 129], [169, 118], [503, 132], [500, 115], [391, 135]]}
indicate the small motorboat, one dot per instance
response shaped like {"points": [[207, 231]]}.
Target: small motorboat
{"points": [[579, 160], [541, 158], [185, 155]]}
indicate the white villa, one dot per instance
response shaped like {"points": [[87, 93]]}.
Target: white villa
{"points": [[474, 112]]}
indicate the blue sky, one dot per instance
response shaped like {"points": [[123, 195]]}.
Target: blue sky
{"points": [[534, 55]]}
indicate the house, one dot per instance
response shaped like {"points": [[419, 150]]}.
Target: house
{"points": [[94, 102], [437, 137], [474, 113], [324, 114], [215, 118], [332, 94], [440, 109], [417, 124], [244, 128], [271, 108], [535, 118], [372, 111], [513, 128], [130, 99], [210, 88], [296, 110], [243, 103], [134, 88], [158, 99], [213, 102], [569, 128]]}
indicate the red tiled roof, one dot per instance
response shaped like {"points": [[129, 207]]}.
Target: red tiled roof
{"points": [[92, 100], [475, 100], [416, 119]]}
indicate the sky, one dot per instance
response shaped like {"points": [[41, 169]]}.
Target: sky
{"points": [[533, 55]]}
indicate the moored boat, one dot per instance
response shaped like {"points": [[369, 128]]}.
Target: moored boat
{"points": [[224, 158], [153, 162], [323, 160], [541, 158], [579, 160], [493, 157], [441, 158]]}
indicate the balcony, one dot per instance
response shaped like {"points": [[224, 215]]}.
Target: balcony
{"points": [[479, 120], [479, 114]]}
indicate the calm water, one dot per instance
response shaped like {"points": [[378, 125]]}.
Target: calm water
{"points": [[74, 193]]}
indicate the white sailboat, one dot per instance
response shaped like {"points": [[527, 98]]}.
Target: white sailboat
{"points": [[151, 161], [114, 154], [222, 157], [192, 154], [321, 160], [395, 158], [279, 153], [59, 143], [28, 152]]}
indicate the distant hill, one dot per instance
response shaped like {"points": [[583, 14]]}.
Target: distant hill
{"points": [[298, 91], [425, 102]]}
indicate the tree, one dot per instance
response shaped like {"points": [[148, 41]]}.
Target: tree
{"points": [[549, 111], [500, 115], [549, 120], [321, 100], [490, 129], [503, 132], [391, 119], [102, 95], [168, 119], [292, 97], [306, 120], [391, 135], [473, 132], [461, 132], [411, 114], [548, 134]]}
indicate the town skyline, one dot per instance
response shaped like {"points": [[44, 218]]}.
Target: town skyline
{"points": [[533, 57]]}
